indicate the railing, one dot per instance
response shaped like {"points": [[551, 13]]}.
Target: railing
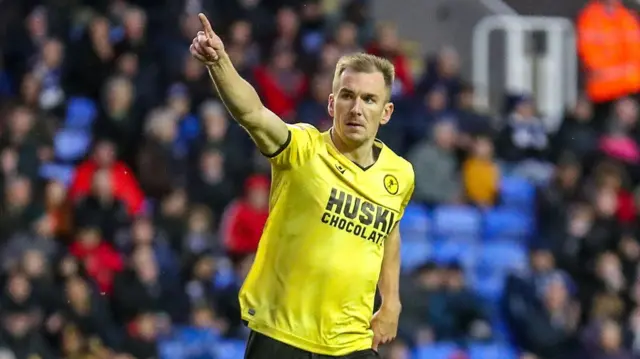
{"points": [[551, 76]]}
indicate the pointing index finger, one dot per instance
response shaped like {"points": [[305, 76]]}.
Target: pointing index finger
{"points": [[206, 25]]}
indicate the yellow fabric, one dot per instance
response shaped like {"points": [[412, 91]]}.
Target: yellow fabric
{"points": [[481, 181], [314, 278]]}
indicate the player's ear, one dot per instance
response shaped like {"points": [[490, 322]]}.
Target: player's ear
{"points": [[387, 112], [330, 104]]}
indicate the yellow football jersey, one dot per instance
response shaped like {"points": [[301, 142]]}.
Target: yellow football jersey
{"points": [[315, 274]]}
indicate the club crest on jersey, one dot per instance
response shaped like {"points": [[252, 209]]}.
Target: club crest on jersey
{"points": [[391, 184]]}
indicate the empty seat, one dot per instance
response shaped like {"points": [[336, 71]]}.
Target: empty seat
{"points": [[436, 351], [505, 223], [504, 256], [415, 223], [517, 192], [169, 349], [491, 351], [495, 262], [488, 284], [81, 112], [457, 221], [230, 349], [453, 250], [414, 254], [71, 144]]}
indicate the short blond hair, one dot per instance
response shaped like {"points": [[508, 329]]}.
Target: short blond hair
{"points": [[362, 62]]}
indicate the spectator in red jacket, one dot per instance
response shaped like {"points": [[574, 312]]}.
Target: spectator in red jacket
{"points": [[387, 45], [101, 261], [125, 185], [280, 83], [245, 218]]}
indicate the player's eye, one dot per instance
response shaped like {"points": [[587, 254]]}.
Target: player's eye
{"points": [[369, 99], [346, 95]]}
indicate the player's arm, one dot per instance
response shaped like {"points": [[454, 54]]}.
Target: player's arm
{"points": [[268, 131], [385, 321], [389, 282]]}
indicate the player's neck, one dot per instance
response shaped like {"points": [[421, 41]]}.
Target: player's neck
{"points": [[361, 154]]}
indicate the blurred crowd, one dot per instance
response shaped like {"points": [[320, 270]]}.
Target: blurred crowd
{"points": [[132, 204]]}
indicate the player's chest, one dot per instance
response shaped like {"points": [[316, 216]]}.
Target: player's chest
{"points": [[351, 190]]}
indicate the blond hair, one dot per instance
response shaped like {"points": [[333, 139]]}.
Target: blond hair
{"points": [[362, 62]]}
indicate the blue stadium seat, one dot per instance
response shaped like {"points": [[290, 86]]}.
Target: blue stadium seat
{"points": [[81, 112], [497, 259], [504, 256], [71, 144], [116, 34], [415, 224], [57, 172], [231, 349], [457, 222], [188, 342], [171, 349], [436, 351], [414, 254], [504, 223], [453, 250], [488, 285], [517, 192], [491, 351], [225, 276]]}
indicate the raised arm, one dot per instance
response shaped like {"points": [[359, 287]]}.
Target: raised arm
{"points": [[268, 131]]}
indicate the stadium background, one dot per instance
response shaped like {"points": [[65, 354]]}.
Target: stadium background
{"points": [[131, 203]]}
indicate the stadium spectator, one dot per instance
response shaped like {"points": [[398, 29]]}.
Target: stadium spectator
{"points": [[546, 329], [244, 219], [608, 27], [125, 185], [577, 134], [280, 83], [471, 120], [156, 198], [101, 206], [100, 259], [442, 71], [424, 302], [436, 167], [346, 38], [387, 45], [58, 208], [313, 106], [524, 143], [40, 238], [481, 174], [200, 237], [119, 119], [160, 158]]}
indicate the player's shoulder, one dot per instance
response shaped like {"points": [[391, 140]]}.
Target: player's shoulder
{"points": [[302, 132], [397, 163], [303, 127]]}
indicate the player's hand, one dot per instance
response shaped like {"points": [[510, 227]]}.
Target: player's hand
{"points": [[384, 325], [207, 47]]}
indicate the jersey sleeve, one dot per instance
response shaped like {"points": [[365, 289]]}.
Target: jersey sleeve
{"points": [[409, 193], [301, 145]]}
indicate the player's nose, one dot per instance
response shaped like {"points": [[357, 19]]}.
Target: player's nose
{"points": [[356, 109]]}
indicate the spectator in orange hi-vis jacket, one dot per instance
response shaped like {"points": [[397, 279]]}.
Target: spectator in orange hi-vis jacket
{"points": [[609, 49]]}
